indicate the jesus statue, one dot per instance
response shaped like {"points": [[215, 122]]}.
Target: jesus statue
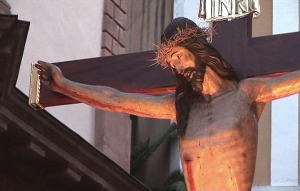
{"points": [[216, 115]]}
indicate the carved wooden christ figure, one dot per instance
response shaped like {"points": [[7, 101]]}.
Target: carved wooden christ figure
{"points": [[217, 116]]}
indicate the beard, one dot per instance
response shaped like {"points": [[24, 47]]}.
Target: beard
{"points": [[189, 89], [194, 77]]}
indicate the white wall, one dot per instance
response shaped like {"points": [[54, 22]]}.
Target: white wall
{"points": [[61, 30], [284, 136], [188, 9]]}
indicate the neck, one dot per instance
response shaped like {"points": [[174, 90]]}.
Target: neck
{"points": [[214, 86]]}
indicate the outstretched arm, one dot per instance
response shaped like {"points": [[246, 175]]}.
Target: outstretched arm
{"points": [[106, 98], [268, 89]]}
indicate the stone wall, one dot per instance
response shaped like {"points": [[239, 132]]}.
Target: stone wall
{"points": [[114, 27]]}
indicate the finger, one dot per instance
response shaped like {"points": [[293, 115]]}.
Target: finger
{"points": [[45, 83], [41, 62], [38, 66], [41, 72], [43, 75], [43, 78], [41, 67]]}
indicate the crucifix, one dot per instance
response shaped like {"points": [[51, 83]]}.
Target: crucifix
{"points": [[216, 114], [249, 57]]}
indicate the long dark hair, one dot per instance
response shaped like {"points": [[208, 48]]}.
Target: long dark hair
{"points": [[206, 55]]}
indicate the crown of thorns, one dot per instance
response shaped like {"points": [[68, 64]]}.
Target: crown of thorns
{"points": [[180, 36]]}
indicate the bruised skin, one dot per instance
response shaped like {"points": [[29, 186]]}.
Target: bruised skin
{"points": [[220, 154]]}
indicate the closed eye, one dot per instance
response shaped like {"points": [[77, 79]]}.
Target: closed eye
{"points": [[179, 55], [173, 53]]}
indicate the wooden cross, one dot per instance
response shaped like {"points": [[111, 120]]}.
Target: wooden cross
{"points": [[135, 72]]}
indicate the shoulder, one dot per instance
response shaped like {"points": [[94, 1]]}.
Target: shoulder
{"points": [[252, 84], [251, 87]]}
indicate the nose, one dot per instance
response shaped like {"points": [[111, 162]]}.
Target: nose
{"points": [[180, 70], [178, 67]]}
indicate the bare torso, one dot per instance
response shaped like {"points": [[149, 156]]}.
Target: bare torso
{"points": [[218, 150]]}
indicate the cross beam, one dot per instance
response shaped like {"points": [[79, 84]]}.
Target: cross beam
{"points": [[256, 56], [128, 72], [133, 72]]}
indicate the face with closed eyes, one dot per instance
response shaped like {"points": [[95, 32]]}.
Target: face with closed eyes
{"points": [[182, 60], [185, 64]]}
